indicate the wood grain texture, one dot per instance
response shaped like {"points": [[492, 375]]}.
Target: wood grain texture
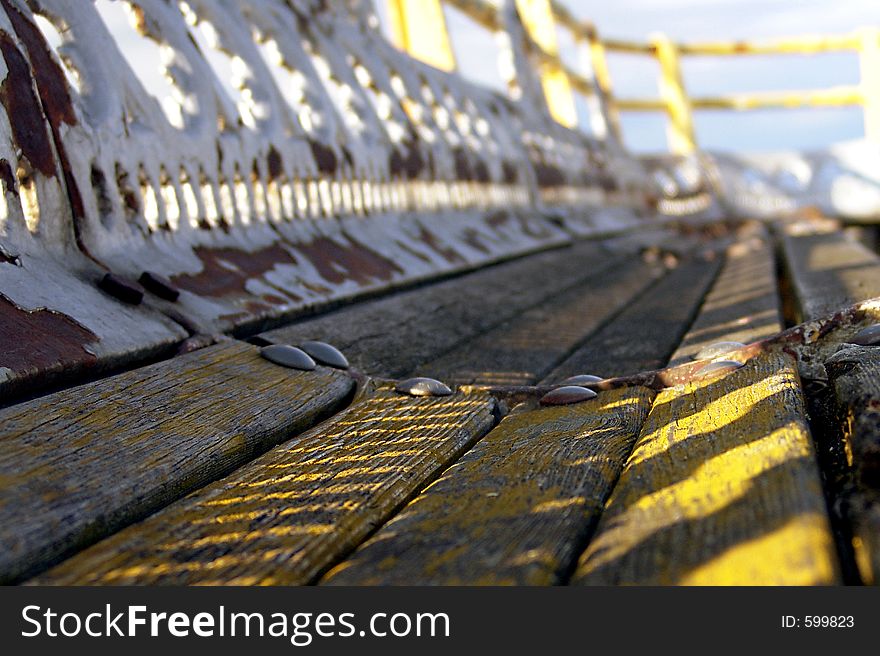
{"points": [[288, 515], [523, 349], [394, 335], [516, 508], [81, 463], [855, 378], [829, 271], [721, 488], [743, 304], [645, 333]]}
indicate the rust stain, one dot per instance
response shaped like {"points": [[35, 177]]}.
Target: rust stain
{"points": [[273, 159], [29, 128], [325, 158], [472, 238], [226, 271], [51, 81], [42, 339], [509, 172], [412, 251], [497, 219], [430, 240], [337, 262]]}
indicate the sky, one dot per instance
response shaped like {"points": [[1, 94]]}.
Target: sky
{"points": [[636, 76], [691, 20]]}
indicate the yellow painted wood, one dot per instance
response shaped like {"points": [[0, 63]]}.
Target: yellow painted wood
{"points": [[287, 516], [840, 96], [721, 488], [79, 464], [418, 27], [516, 508], [743, 304], [537, 18], [796, 45], [869, 66], [680, 130]]}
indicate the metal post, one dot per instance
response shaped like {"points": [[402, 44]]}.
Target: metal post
{"points": [[680, 132], [418, 27], [537, 17], [606, 121]]}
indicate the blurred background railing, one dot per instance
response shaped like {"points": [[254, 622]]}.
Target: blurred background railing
{"points": [[419, 28]]}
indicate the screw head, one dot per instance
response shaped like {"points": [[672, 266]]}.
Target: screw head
{"points": [[159, 285], [717, 369], [567, 395], [325, 354], [582, 379], [288, 356], [422, 387], [122, 289], [869, 336], [717, 349]]}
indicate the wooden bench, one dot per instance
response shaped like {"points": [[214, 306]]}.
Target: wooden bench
{"points": [[146, 441]]}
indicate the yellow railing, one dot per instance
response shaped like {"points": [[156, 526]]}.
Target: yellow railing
{"points": [[418, 27]]}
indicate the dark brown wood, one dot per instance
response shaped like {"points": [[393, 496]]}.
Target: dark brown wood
{"points": [[287, 516], [854, 373], [516, 508], [645, 333], [393, 336], [79, 464], [523, 349]]}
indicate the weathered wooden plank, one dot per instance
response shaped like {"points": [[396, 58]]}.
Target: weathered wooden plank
{"points": [[721, 488], [290, 514], [392, 336], [855, 376], [743, 304], [828, 271], [79, 464], [644, 334], [517, 508], [523, 349]]}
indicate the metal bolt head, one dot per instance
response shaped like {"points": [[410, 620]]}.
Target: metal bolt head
{"points": [[717, 349], [325, 354], [582, 379], [288, 356], [422, 387], [568, 395], [122, 289], [869, 336], [159, 285], [717, 369]]}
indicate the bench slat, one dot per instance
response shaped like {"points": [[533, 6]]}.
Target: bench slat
{"points": [[392, 336], [516, 508], [829, 271], [743, 304], [721, 488], [287, 516], [646, 332], [855, 377], [79, 464], [524, 349]]}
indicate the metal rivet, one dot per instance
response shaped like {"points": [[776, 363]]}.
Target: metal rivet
{"points": [[582, 379], [567, 395], [122, 289], [159, 285], [288, 356], [717, 349], [717, 368], [325, 354], [869, 336], [422, 387]]}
